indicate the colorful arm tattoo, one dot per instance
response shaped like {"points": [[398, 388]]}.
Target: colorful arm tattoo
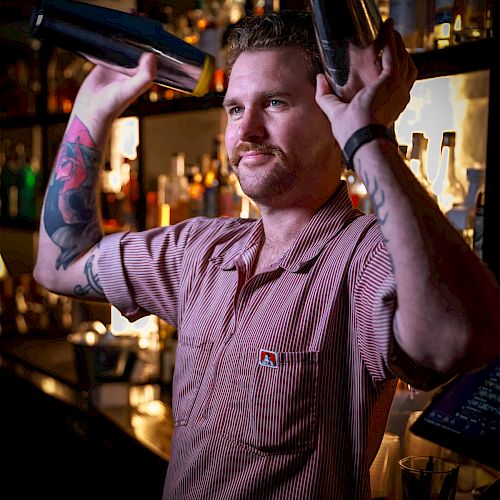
{"points": [[71, 210]]}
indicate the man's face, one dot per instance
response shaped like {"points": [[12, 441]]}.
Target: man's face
{"points": [[279, 141]]}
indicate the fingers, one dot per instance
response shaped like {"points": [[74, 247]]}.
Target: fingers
{"points": [[322, 86], [397, 63], [143, 76], [389, 49], [325, 98]]}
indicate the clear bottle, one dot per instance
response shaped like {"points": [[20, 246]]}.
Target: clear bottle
{"points": [[453, 184], [418, 158], [447, 186]]}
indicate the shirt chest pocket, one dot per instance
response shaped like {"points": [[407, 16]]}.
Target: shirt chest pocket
{"points": [[191, 361], [277, 411]]}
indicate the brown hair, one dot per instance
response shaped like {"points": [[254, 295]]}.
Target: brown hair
{"points": [[288, 28]]}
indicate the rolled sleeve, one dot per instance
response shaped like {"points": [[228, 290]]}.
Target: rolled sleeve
{"points": [[375, 312], [140, 272], [113, 278], [375, 303]]}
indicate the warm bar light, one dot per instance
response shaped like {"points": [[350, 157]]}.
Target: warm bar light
{"points": [[122, 326], [453, 103], [164, 214], [4, 273]]}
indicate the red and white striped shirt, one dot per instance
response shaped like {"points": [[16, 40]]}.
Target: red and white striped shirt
{"points": [[282, 383]]}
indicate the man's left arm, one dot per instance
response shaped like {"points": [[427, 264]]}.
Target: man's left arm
{"points": [[448, 315], [448, 312]]}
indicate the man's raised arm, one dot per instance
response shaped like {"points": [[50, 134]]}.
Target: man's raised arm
{"points": [[70, 227], [448, 315]]}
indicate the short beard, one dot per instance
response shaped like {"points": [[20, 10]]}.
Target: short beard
{"points": [[277, 182]]}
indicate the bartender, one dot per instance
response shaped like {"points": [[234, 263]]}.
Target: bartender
{"points": [[293, 328]]}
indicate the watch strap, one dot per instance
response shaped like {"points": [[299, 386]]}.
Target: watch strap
{"points": [[362, 136]]}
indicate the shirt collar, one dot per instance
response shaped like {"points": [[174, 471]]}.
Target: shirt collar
{"points": [[324, 225], [245, 248]]}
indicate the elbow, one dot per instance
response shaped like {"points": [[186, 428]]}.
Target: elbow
{"points": [[475, 347], [40, 276], [45, 278]]}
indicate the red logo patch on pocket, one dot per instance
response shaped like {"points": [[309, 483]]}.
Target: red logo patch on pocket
{"points": [[268, 359]]}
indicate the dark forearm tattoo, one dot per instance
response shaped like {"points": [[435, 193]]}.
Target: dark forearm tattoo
{"points": [[93, 284], [71, 211], [377, 196]]}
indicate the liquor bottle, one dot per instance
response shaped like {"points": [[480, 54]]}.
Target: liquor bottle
{"points": [[29, 186], [249, 7], [472, 20], [118, 39], [477, 241], [403, 14], [338, 26], [179, 203], [411, 21], [151, 209], [9, 182], [196, 191], [211, 181], [462, 215], [229, 203], [384, 7], [448, 187], [163, 198], [443, 18], [418, 158], [453, 185]]}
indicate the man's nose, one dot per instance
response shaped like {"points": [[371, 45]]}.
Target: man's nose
{"points": [[252, 126]]}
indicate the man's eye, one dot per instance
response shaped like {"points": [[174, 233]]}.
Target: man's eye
{"points": [[235, 110], [275, 102]]}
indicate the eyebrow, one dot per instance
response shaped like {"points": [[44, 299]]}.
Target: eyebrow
{"points": [[271, 94]]}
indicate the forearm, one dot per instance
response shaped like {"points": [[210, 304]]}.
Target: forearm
{"points": [[70, 220], [448, 311]]}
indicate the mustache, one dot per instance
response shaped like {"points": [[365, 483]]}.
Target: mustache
{"points": [[268, 149]]}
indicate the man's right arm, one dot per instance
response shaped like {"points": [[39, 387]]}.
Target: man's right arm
{"points": [[70, 226]]}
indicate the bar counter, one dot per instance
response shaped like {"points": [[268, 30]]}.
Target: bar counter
{"points": [[58, 441]]}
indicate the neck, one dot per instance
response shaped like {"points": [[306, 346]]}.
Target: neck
{"points": [[283, 224], [281, 228]]}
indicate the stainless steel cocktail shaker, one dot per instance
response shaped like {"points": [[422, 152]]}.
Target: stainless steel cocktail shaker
{"points": [[119, 39], [338, 25]]}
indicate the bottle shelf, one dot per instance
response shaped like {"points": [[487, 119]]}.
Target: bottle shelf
{"points": [[178, 105], [463, 58]]}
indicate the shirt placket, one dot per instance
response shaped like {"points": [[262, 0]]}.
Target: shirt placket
{"points": [[244, 265]]}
